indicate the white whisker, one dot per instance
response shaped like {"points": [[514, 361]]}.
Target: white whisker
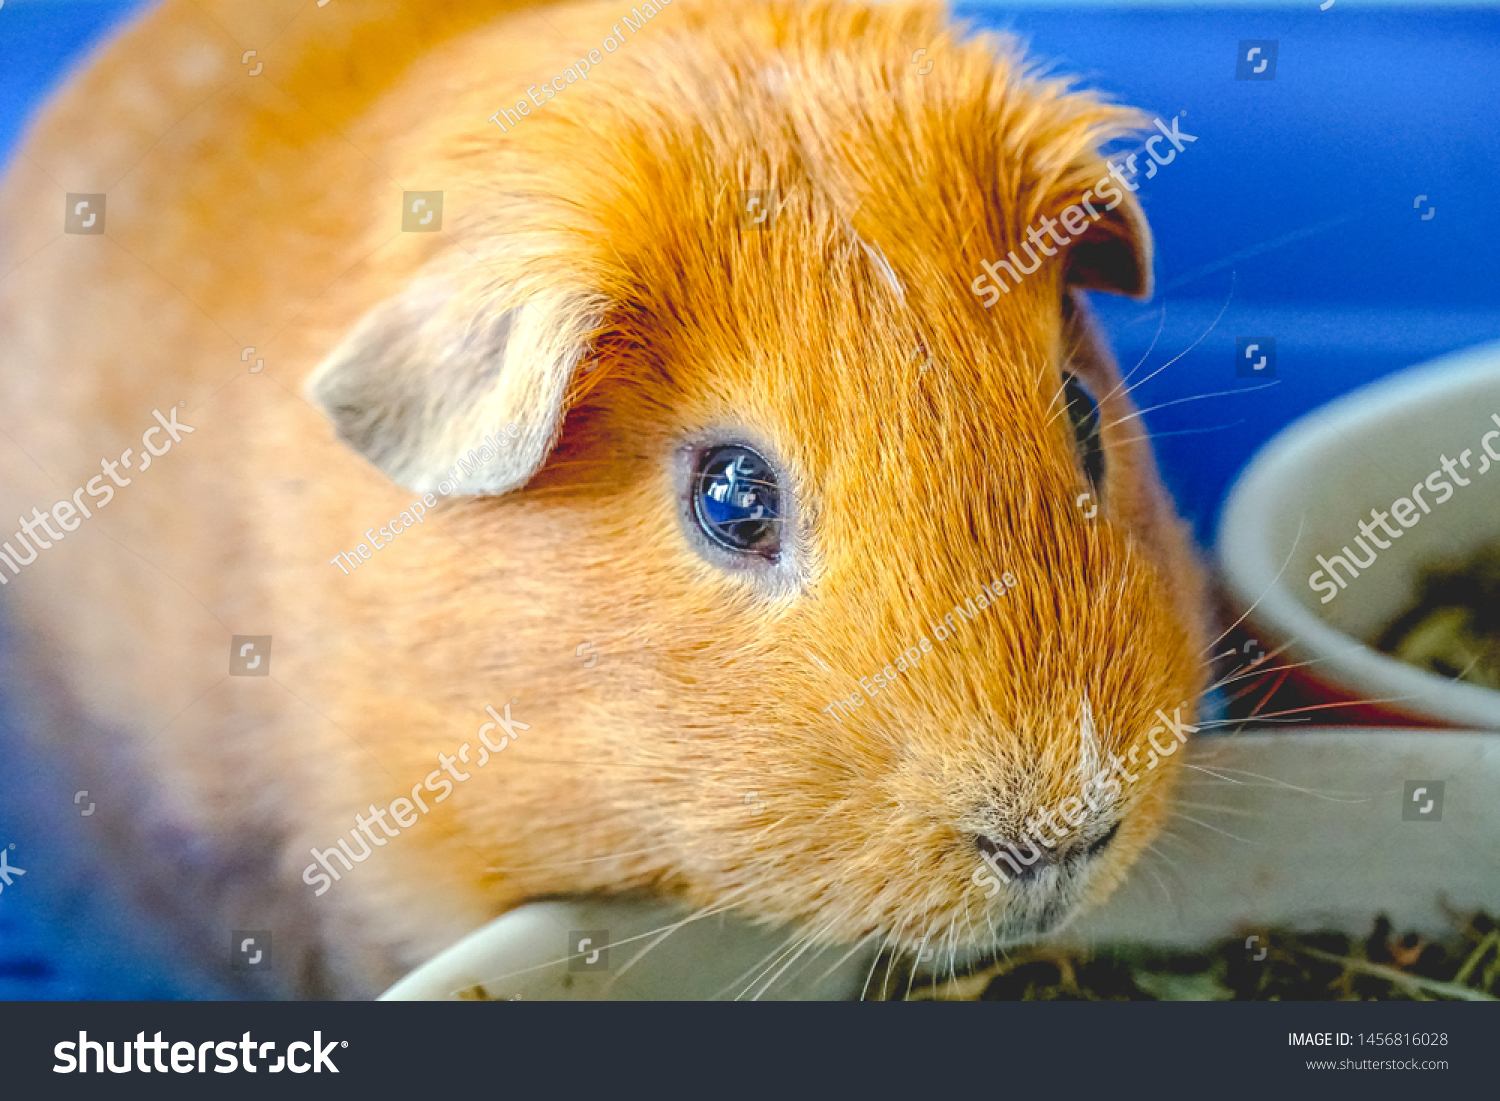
{"points": [[615, 944], [874, 963], [1221, 809], [1179, 432], [807, 943], [1215, 829], [1295, 543], [1273, 782], [1214, 324], [1164, 857], [705, 912], [1195, 397], [1160, 327], [864, 940], [769, 961]]}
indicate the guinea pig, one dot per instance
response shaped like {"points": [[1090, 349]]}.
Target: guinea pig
{"points": [[605, 465]]}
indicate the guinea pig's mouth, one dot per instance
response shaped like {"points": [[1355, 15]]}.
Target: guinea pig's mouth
{"points": [[1037, 910], [1027, 927], [1045, 892]]}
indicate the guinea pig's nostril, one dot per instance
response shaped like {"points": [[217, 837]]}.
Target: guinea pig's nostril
{"points": [[1097, 847]]}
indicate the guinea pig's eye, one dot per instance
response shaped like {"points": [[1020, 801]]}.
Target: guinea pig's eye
{"points": [[737, 502], [1083, 413]]}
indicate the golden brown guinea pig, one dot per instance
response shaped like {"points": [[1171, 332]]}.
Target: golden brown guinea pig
{"points": [[732, 462]]}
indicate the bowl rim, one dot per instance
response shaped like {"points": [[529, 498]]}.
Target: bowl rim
{"points": [[1254, 577]]}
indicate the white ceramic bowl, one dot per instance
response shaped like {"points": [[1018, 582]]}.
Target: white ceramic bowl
{"points": [[599, 949], [1321, 829], [1304, 495]]}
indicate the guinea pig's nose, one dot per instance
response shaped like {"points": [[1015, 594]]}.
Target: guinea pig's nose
{"points": [[1019, 859], [1023, 859]]}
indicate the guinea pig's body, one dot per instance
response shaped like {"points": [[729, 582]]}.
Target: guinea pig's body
{"points": [[596, 313]]}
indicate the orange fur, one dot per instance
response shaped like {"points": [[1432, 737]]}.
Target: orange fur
{"points": [[266, 213]]}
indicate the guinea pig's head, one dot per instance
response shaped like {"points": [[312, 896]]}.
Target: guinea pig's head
{"points": [[888, 606]]}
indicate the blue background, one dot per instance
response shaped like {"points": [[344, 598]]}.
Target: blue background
{"points": [[1293, 214]]}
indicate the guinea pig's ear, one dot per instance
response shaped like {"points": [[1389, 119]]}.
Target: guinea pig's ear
{"points": [[1114, 253], [424, 377]]}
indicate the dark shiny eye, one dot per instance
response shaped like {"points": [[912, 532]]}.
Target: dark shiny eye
{"points": [[1083, 414], [737, 502]]}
